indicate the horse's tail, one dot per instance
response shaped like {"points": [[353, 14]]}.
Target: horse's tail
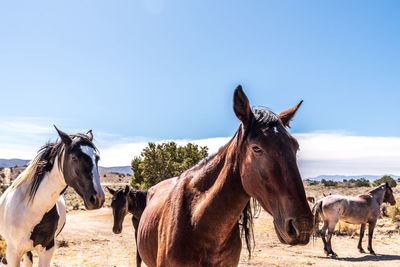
{"points": [[316, 211]]}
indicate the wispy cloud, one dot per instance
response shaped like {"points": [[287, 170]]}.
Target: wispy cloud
{"points": [[331, 153], [320, 153]]}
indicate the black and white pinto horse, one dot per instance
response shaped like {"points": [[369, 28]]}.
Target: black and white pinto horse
{"points": [[32, 209]]}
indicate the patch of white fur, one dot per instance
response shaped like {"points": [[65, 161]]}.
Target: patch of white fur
{"points": [[95, 175], [18, 216]]}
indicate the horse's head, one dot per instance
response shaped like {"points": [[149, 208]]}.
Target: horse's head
{"points": [[388, 197], [119, 205], [80, 168], [269, 171]]}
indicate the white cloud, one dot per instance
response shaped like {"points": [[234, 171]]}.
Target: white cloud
{"points": [[327, 153], [320, 153]]}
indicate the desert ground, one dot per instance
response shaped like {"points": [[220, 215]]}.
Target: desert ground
{"points": [[87, 240]]}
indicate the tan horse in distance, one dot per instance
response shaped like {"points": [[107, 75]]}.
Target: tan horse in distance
{"points": [[361, 209]]}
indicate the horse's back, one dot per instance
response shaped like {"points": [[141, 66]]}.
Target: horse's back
{"points": [[355, 210], [361, 209], [333, 206]]}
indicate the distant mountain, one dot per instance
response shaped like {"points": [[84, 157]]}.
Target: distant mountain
{"points": [[8, 163], [348, 177], [120, 169]]}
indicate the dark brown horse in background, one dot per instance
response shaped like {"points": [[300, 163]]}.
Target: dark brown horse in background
{"points": [[361, 209], [192, 220], [128, 200]]}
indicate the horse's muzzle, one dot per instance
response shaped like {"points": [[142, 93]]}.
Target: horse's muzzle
{"points": [[294, 231]]}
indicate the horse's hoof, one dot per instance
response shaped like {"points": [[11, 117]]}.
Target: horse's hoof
{"points": [[372, 252], [326, 252], [361, 250], [334, 255]]}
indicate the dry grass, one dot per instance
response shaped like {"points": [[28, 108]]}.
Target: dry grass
{"points": [[3, 247]]}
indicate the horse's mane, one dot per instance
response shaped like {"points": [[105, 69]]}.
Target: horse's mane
{"points": [[378, 188], [44, 162]]}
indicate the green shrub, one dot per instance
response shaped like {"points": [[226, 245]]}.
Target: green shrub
{"points": [[394, 211], [384, 179], [329, 182], [362, 182]]}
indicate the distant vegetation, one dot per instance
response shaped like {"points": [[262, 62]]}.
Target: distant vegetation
{"points": [[163, 161], [362, 182], [384, 179]]}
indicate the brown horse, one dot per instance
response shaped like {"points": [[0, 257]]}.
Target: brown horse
{"points": [[361, 209], [192, 220], [128, 200]]}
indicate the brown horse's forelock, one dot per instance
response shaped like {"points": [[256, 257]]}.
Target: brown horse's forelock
{"points": [[49, 153]]}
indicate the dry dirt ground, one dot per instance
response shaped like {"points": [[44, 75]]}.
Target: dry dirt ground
{"points": [[90, 242]]}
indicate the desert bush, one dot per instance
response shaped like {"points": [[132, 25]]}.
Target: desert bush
{"points": [[3, 188], [329, 182], [346, 229], [162, 161], [62, 243], [3, 246], [361, 183], [384, 179], [394, 211]]}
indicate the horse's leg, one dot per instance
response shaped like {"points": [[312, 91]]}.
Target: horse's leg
{"points": [[138, 258], [13, 257], [362, 230], [28, 259], [323, 232], [371, 226], [331, 229], [45, 256]]}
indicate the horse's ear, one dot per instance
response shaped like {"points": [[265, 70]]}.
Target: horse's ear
{"points": [[89, 134], [241, 105], [387, 184], [287, 115], [65, 138], [112, 191], [126, 191]]}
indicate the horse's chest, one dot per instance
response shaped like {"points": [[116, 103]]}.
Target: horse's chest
{"points": [[44, 232], [201, 251]]}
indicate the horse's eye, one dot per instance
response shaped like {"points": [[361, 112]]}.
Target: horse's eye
{"points": [[256, 149], [74, 158]]}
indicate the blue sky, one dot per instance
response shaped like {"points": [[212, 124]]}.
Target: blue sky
{"points": [[154, 70]]}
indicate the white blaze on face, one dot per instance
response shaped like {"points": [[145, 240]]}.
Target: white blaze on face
{"points": [[95, 175], [276, 130]]}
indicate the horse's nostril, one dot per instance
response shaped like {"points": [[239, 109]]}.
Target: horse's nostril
{"points": [[93, 199], [291, 228]]}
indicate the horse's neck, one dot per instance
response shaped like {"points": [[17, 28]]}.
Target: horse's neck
{"points": [[378, 195], [221, 197], [135, 205], [49, 190], [131, 202]]}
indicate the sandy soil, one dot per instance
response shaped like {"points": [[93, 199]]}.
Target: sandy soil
{"points": [[90, 242]]}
